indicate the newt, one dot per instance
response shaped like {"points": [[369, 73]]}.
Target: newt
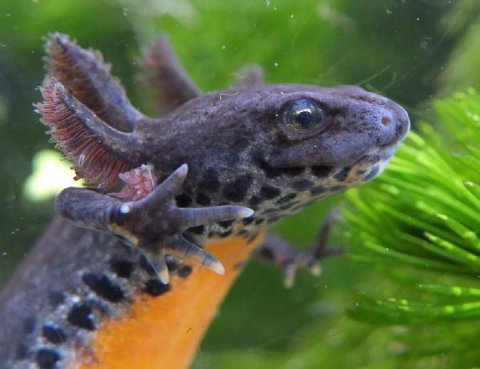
{"points": [[134, 267]]}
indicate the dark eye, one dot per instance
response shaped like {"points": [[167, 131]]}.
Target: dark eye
{"points": [[303, 114]]}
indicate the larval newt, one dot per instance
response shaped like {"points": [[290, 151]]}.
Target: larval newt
{"points": [[134, 267]]}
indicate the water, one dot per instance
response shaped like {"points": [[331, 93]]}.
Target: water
{"points": [[409, 51]]}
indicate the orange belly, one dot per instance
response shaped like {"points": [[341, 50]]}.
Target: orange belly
{"points": [[164, 332]]}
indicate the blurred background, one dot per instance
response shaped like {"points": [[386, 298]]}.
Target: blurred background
{"points": [[408, 50]]}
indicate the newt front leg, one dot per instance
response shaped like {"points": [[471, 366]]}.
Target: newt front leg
{"points": [[154, 223], [281, 253]]}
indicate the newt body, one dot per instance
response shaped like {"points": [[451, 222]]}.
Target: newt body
{"points": [[88, 299]]}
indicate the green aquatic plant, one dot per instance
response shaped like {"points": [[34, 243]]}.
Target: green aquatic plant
{"points": [[421, 222], [413, 235]]}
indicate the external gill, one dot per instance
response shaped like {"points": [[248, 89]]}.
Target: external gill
{"points": [[99, 151], [87, 77]]}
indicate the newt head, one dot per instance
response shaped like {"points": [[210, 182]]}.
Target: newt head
{"points": [[279, 146]]}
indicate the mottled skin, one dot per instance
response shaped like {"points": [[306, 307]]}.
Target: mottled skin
{"points": [[242, 152], [254, 159]]}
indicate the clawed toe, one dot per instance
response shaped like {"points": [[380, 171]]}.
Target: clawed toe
{"points": [[302, 260], [159, 264], [309, 260], [187, 251], [148, 217], [157, 216]]}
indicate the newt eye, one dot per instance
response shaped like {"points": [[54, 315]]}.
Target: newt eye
{"points": [[303, 114]]}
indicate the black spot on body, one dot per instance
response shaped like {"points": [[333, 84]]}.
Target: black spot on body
{"points": [[287, 206], [294, 171], [321, 171], [203, 199], [185, 271], [240, 143], [54, 334], [249, 220], [155, 287], [231, 159], [210, 180], [237, 189], [254, 201], [318, 190], [286, 198], [47, 358], [342, 174], [122, 268], [183, 200], [302, 185], [270, 172], [172, 265], [269, 192], [271, 210], [104, 287], [198, 229], [259, 221], [266, 252], [81, 316]]}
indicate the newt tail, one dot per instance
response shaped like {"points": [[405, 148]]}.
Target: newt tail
{"points": [[134, 267]]}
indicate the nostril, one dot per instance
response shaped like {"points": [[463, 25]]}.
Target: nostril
{"points": [[386, 121]]}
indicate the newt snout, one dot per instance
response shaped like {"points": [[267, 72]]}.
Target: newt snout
{"points": [[395, 122], [356, 123], [384, 112]]}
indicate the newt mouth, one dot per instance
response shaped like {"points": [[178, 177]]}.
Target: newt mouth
{"points": [[388, 150], [381, 154]]}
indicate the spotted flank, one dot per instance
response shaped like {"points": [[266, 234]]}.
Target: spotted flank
{"points": [[76, 316]]}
